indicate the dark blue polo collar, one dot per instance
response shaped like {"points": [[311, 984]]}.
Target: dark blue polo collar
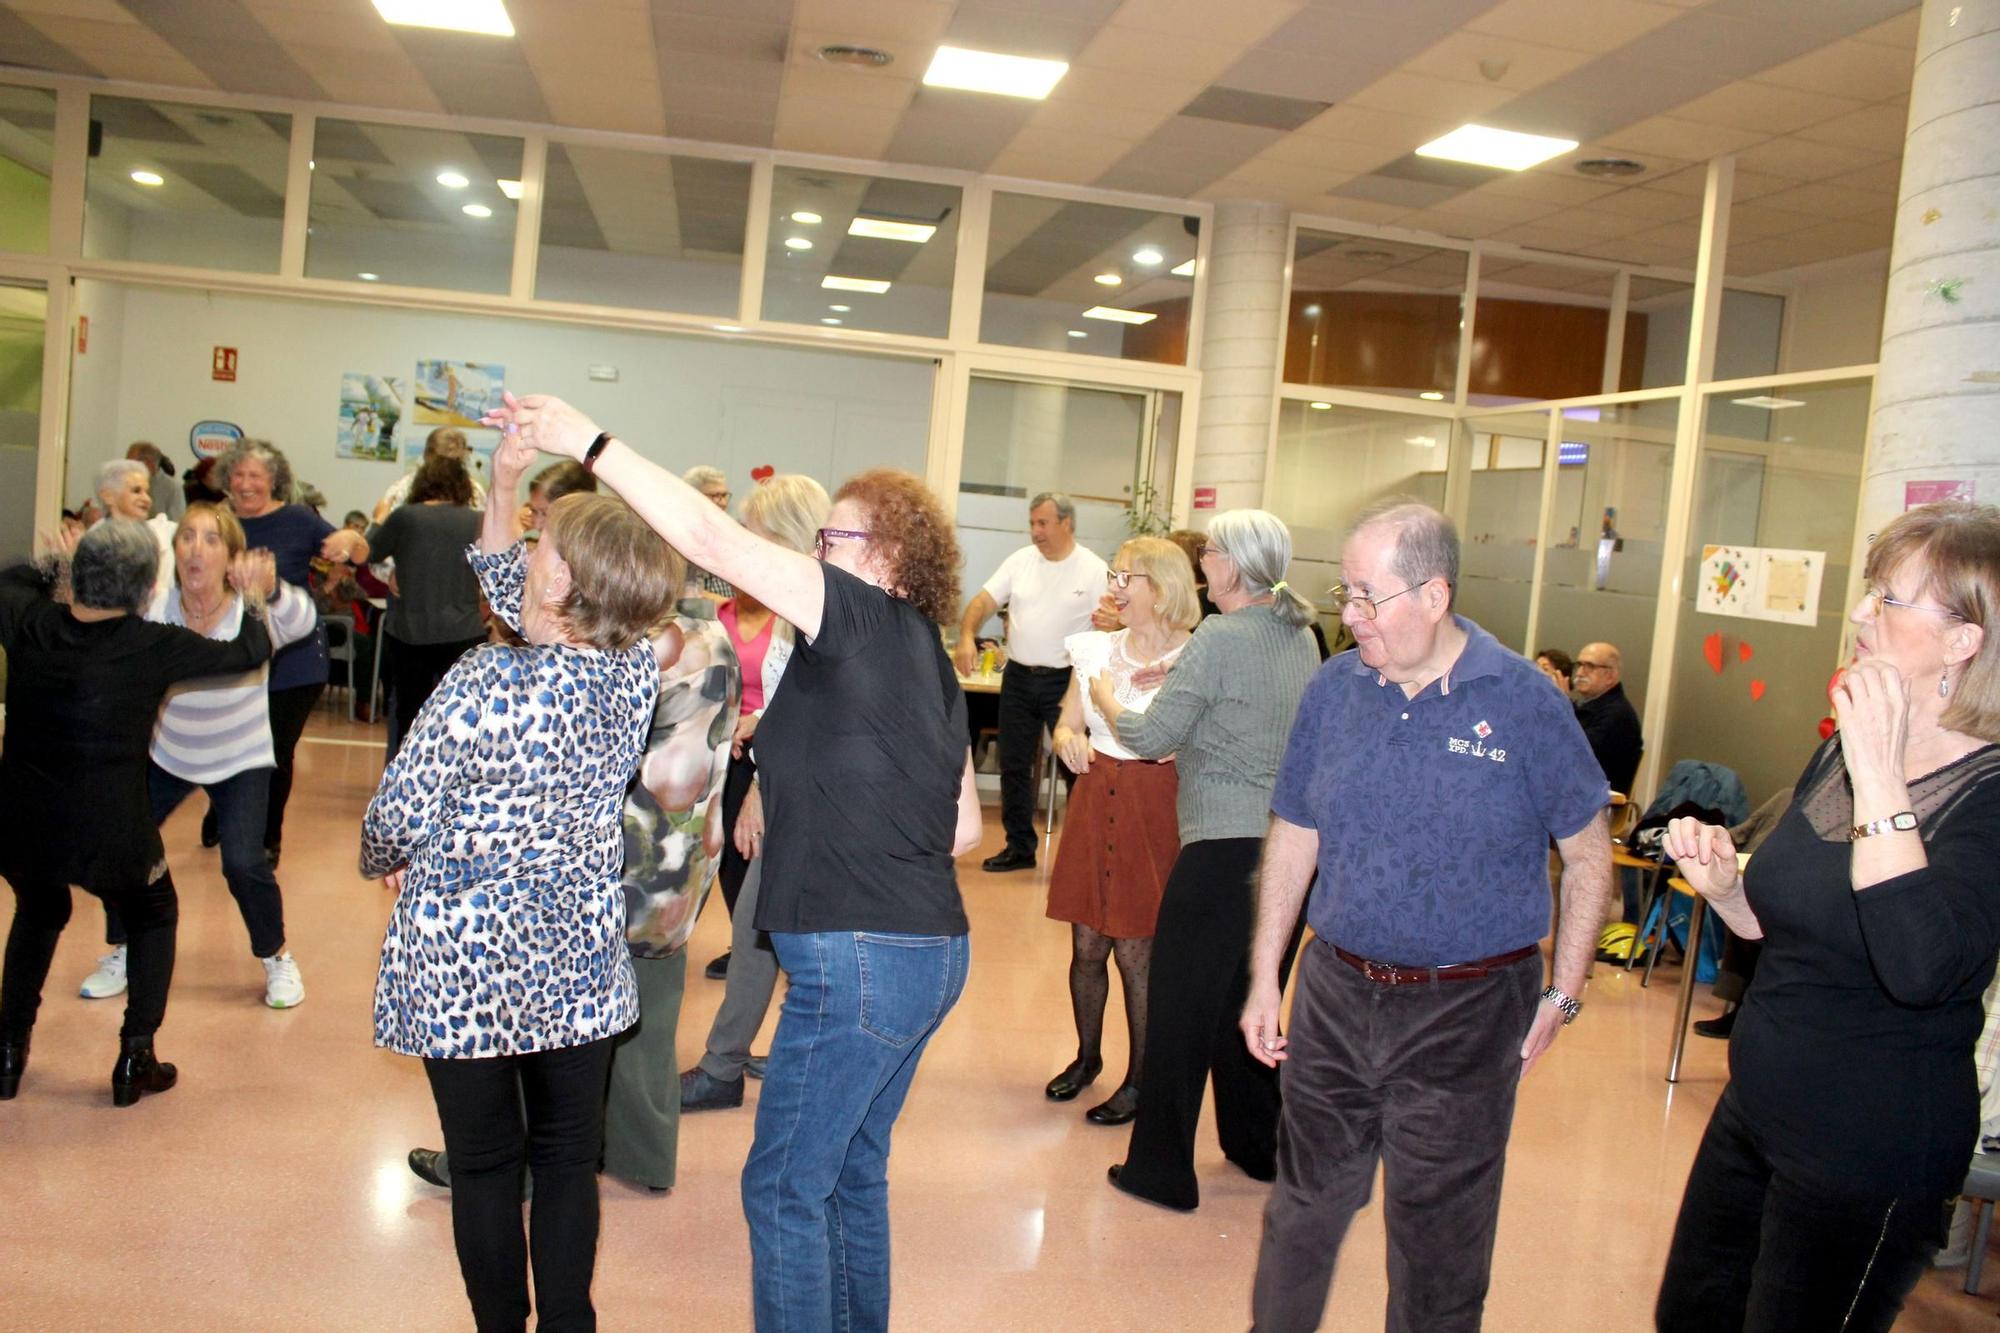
{"points": [[1481, 656]]}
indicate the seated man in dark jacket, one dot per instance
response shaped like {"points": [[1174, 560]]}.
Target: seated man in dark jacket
{"points": [[1609, 721]]}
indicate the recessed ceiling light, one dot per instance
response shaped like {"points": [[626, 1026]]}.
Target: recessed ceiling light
{"points": [[477, 211], [1609, 166], [797, 243], [1320, 407], [990, 72], [1183, 270], [369, 277], [452, 180], [842, 53], [481, 16], [1768, 403], [1310, 312], [149, 178], [806, 218], [1431, 396], [838, 284], [1148, 256], [829, 319], [1107, 280], [1421, 441], [840, 309], [1079, 333], [1117, 316], [882, 229], [512, 189], [1485, 146]]}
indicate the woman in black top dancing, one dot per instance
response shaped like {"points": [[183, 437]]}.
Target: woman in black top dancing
{"points": [[1823, 1184]]}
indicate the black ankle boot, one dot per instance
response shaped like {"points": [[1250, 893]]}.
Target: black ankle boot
{"points": [[13, 1059], [138, 1071]]}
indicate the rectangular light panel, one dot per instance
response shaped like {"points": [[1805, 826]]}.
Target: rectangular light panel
{"points": [[882, 229], [989, 72], [839, 284], [1767, 402], [1183, 270], [481, 16], [1486, 147], [1117, 316], [512, 189]]}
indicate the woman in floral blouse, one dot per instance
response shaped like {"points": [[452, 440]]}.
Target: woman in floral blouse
{"points": [[505, 964]]}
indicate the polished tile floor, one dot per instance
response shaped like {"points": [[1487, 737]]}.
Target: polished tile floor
{"points": [[269, 1190]]}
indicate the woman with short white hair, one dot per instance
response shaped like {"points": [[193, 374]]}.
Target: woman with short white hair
{"points": [[1226, 711], [125, 489]]}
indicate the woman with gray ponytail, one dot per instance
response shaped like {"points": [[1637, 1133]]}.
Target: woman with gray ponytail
{"points": [[1225, 712]]}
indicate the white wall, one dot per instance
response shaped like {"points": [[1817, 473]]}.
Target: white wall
{"points": [[681, 400]]}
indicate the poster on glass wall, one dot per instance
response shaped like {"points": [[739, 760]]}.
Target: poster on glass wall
{"points": [[457, 393], [371, 406], [1723, 586], [1788, 585]]}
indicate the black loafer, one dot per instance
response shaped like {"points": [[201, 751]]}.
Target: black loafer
{"points": [[428, 1165], [1074, 1079], [717, 970], [1118, 1109], [1008, 860], [1112, 1176]]}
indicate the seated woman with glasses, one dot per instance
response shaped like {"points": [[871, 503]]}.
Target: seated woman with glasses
{"points": [[1825, 1178], [1226, 710], [1121, 838], [867, 775]]}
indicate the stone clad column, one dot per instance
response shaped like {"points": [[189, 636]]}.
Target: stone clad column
{"points": [[1239, 352], [1937, 395]]}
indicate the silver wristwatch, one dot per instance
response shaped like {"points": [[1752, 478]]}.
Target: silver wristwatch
{"points": [[1569, 1004]]}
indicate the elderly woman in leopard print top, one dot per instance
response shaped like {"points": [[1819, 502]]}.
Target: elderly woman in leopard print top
{"points": [[498, 824]]}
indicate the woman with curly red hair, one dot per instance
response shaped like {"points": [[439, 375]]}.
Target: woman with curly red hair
{"points": [[868, 800]]}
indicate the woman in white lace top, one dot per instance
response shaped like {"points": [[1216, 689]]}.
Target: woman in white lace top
{"points": [[1121, 838]]}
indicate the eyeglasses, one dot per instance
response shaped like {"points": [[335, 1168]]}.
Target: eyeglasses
{"points": [[1364, 605], [1593, 666], [826, 537], [1881, 598], [1121, 579]]}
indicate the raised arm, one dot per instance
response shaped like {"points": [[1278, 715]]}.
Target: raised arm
{"points": [[789, 583]]}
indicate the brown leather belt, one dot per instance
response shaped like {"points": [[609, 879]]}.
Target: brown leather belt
{"points": [[1389, 974]]}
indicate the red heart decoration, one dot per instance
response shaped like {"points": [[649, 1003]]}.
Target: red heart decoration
{"points": [[1826, 728], [764, 473], [1756, 690], [1744, 652], [1711, 648]]}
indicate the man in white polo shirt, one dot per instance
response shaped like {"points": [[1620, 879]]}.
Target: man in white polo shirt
{"points": [[1049, 589]]}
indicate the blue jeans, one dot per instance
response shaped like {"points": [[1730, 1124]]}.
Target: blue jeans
{"points": [[859, 1013], [240, 803]]}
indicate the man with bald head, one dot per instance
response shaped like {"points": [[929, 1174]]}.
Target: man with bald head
{"points": [[1609, 721]]}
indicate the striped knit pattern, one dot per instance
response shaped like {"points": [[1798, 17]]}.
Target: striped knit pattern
{"points": [[219, 726]]}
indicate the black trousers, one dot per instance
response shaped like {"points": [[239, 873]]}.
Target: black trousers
{"points": [[414, 671], [1757, 1250], [290, 710], [1201, 972], [735, 787], [41, 910], [481, 1105], [1420, 1078], [1030, 704]]}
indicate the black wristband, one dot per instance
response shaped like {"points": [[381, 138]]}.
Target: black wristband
{"points": [[596, 448]]}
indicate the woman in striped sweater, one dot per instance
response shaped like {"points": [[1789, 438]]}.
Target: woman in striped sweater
{"points": [[215, 733]]}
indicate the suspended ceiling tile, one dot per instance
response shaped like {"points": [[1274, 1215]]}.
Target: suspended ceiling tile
{"points": [[1389, 190], [1033, 145], [1447, 223], [1549, 187], [1237, 107], [1358, 124], [1899, 32], [753, 11], [1349, 209], [127, 50], [1529, 65], [23, 43], [1649, 205], [960, 130], [1583, 25], [1313, 78], [1684, 139], [1063, 113], [720, 129], [807, 125], [1328, 154], [1884, 177], [1852, 67], [1248, 21], [602, 74], [1117, 87], [223, 39], [846, 84], [1288, 178], [1605, 95], [1600, 222], [1802, 159], [1043, 38], [1829, 201], [1750, 105], [1755, 222], [1501, 208], [1877, 129], [688, 34], [1423, 95]]}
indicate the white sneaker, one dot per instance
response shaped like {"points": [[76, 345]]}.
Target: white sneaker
{"points": [[109, 978], [282, 986]]}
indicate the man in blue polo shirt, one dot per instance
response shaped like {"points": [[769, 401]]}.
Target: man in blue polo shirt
{"points": [[1427, 770]]}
